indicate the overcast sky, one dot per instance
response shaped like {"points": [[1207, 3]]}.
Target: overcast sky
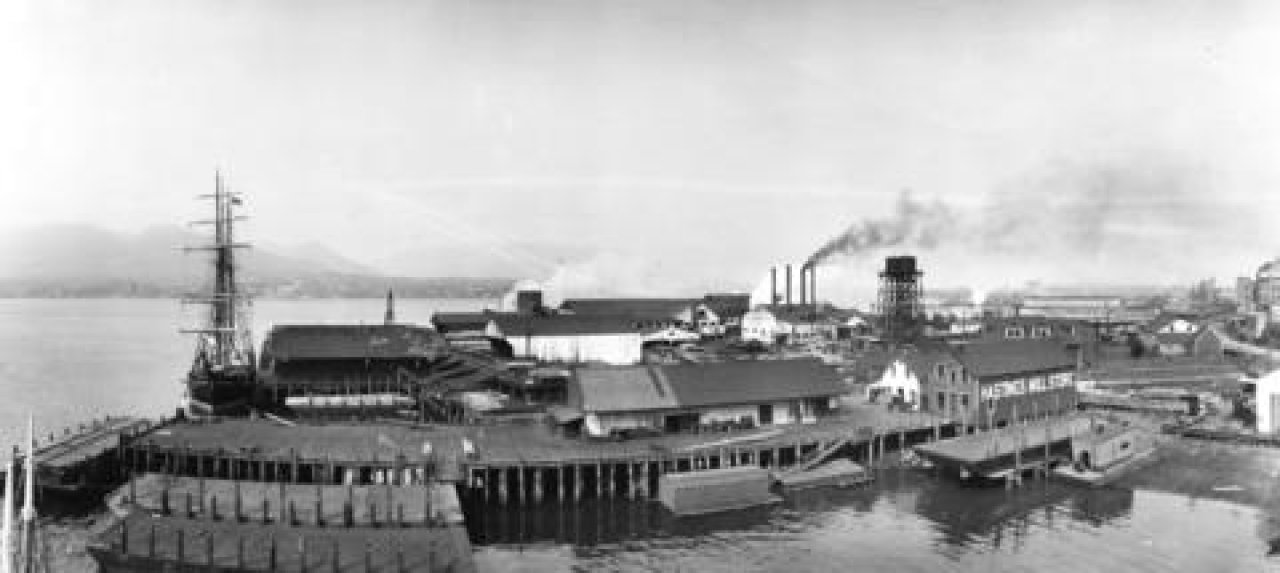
{"points": [[697, 142]]}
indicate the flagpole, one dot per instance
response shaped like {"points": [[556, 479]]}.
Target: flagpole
{"points": [[6, 535], [29, 499]]}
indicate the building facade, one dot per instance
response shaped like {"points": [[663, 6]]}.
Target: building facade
{"points": [[984, 383], [685, 397]]}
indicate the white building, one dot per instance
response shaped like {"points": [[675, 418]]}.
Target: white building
{"points": [[900, 382], [1267, 403], [760, 325]]}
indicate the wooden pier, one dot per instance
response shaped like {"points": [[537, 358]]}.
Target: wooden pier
{"points": [[82, 460], [1006, 453]]}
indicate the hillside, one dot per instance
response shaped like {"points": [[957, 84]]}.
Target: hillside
{"points": [[86, 261]]}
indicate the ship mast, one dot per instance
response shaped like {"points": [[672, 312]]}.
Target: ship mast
{"points": [[225, 340]]}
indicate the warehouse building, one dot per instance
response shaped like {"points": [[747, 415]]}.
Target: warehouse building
{"points": [[981, 383], [685, 397]]}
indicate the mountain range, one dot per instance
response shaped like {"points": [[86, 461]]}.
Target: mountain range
{"points": [[70, 260]]}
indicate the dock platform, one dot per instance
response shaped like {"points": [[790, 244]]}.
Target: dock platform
{"points": [[994, 452]]}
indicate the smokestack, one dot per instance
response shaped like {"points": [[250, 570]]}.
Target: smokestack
{"points": [[773, 286], [813, 286], [788, 285], [804, 291]]}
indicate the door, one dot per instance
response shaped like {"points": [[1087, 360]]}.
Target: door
{"points": [[766, 414]]}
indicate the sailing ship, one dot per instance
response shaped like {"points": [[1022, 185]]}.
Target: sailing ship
{"points": [[223, 377]]}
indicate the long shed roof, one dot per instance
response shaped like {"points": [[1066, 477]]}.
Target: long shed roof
{"points": [[342, 341], [658, 387], [997, 360]]}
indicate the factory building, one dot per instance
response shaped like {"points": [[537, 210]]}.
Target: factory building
{"points": [[567, 338], [687, 397], [981, 383]]}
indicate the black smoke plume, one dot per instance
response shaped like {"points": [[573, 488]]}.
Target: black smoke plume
{"points": [[914, 224]]}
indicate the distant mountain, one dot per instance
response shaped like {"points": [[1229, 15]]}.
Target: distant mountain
{"points": [[83, 260]]}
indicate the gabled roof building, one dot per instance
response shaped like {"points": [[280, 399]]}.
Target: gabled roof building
{"points": [[687, 396]]}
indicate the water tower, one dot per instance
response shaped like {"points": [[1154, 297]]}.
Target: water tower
{"points": [[900, 304]]}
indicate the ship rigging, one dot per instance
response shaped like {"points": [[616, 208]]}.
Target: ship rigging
{"points": [[223, 377]]}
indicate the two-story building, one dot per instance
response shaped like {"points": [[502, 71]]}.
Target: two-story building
{"points": [[983, 383]]}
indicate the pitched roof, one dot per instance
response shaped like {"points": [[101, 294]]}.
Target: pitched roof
{"points": [[620, 389], [338, 341], [997, 360], [657, 387], [564, 324], [637, 307], [728, 304], [447, 322]]}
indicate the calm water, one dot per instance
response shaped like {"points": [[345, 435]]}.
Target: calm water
{"points": [[68, 360]]}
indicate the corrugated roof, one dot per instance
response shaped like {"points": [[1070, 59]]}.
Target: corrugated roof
{"points": [[337, 341], [656, 387], [997, 360]]}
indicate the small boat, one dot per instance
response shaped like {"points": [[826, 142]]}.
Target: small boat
{"points": [[711, 491], [838, 473]]}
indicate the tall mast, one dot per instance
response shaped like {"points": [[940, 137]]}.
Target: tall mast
{"points": [[6, 533], [29, 540], [225, 340]]}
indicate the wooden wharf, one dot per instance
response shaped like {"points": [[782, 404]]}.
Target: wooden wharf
{"points": [[503, 464], [1006, 453], [81, 460]]}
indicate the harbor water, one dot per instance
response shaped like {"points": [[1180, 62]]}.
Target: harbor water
{"points": [[1205, 508]]}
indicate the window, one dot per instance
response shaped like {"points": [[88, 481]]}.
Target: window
{"points": [[1042, 332], [1014, 332]]}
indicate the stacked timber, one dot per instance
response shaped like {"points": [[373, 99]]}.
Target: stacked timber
{"points": [[710, 491]]}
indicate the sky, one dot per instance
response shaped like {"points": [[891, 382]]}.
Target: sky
{"points": [[644, 147]]}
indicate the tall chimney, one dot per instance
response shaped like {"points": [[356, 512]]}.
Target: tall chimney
{"points": [[804, 291], [773, 286], [813, 286], [788, 285]]}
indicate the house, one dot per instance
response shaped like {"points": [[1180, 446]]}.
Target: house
{"points": [[1208, 343], [982, 383], [729, 309], [682, 397], [782, 324], [760, 325], [1174, 324]]}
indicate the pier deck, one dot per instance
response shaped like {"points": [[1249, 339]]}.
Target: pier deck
{"points": [[988, 452]]}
